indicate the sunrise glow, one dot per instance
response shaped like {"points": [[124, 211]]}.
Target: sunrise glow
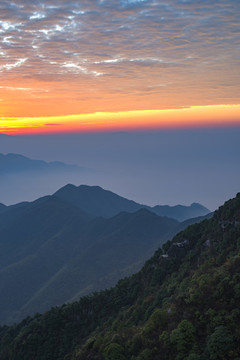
{"points": [[106, 66], [198, 116]]}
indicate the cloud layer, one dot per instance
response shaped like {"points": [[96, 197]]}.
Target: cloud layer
{"points": [[59, 57]]}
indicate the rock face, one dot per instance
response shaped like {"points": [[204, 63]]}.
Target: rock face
{"points": [[178, 249]]}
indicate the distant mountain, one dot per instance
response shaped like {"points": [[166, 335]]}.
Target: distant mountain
{"points": [[79, 240], [184, 224], [2, 207], [96, 201], [105, 250], [100, 202], [183, 304], [15, 163], [51, 251], [181, 212]]}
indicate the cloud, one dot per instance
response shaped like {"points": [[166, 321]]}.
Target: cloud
{"points": [[11, 66], [52, 124], [135, 41]]}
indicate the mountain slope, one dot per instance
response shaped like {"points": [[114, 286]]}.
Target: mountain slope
{"points": [[2, 207], [183, 304], [116, 247], [25, 227], [51, 252], [34, 244]]}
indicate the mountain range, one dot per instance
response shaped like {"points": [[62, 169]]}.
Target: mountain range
{"points": [[79, 240], [15, 163], [182, 305], [25, 179], [99, 202]]}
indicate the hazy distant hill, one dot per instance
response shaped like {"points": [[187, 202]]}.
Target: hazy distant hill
{"points": [[22, 178], [100, 202], [105, 251], [79, 240], [181, 212], [58, 248], [50, 252], [183, 304], [15, 163]]}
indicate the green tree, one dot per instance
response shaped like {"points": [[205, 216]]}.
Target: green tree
{"points": [[219, 344], [183, 339], [114, 351]]}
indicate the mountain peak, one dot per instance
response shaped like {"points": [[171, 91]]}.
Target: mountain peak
{"points": [[96, 200], [100, 202], [16, 163], [68, 187]]}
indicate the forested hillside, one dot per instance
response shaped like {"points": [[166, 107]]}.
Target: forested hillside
{"points": [[183, 304]]}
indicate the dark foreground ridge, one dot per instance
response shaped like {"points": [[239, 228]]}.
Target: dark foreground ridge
{"points": [[182, 305]]}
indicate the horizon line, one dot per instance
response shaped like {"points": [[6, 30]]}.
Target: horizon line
{"points": [[125, 121]]}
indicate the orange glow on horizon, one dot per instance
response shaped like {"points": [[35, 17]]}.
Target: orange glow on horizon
{"points": [[196, 116]]}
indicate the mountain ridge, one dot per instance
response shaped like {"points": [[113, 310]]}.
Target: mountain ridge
{"points": [[101, 202], [14, 163], [53, 232], [181, 212], [72, 243]]}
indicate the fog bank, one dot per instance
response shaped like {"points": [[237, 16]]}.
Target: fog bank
{"points": [[161, 167]]}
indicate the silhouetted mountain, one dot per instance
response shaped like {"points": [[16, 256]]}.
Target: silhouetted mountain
{"points": [[105, 251], [15, 163], [58, 248], [96, 201], [181, 212], [2, 207], [51, 252], [100, 202], [183, 304]]}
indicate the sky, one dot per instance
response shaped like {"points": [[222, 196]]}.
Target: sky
{"points": [[165, 167], [143, 93], [118, 64]]}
